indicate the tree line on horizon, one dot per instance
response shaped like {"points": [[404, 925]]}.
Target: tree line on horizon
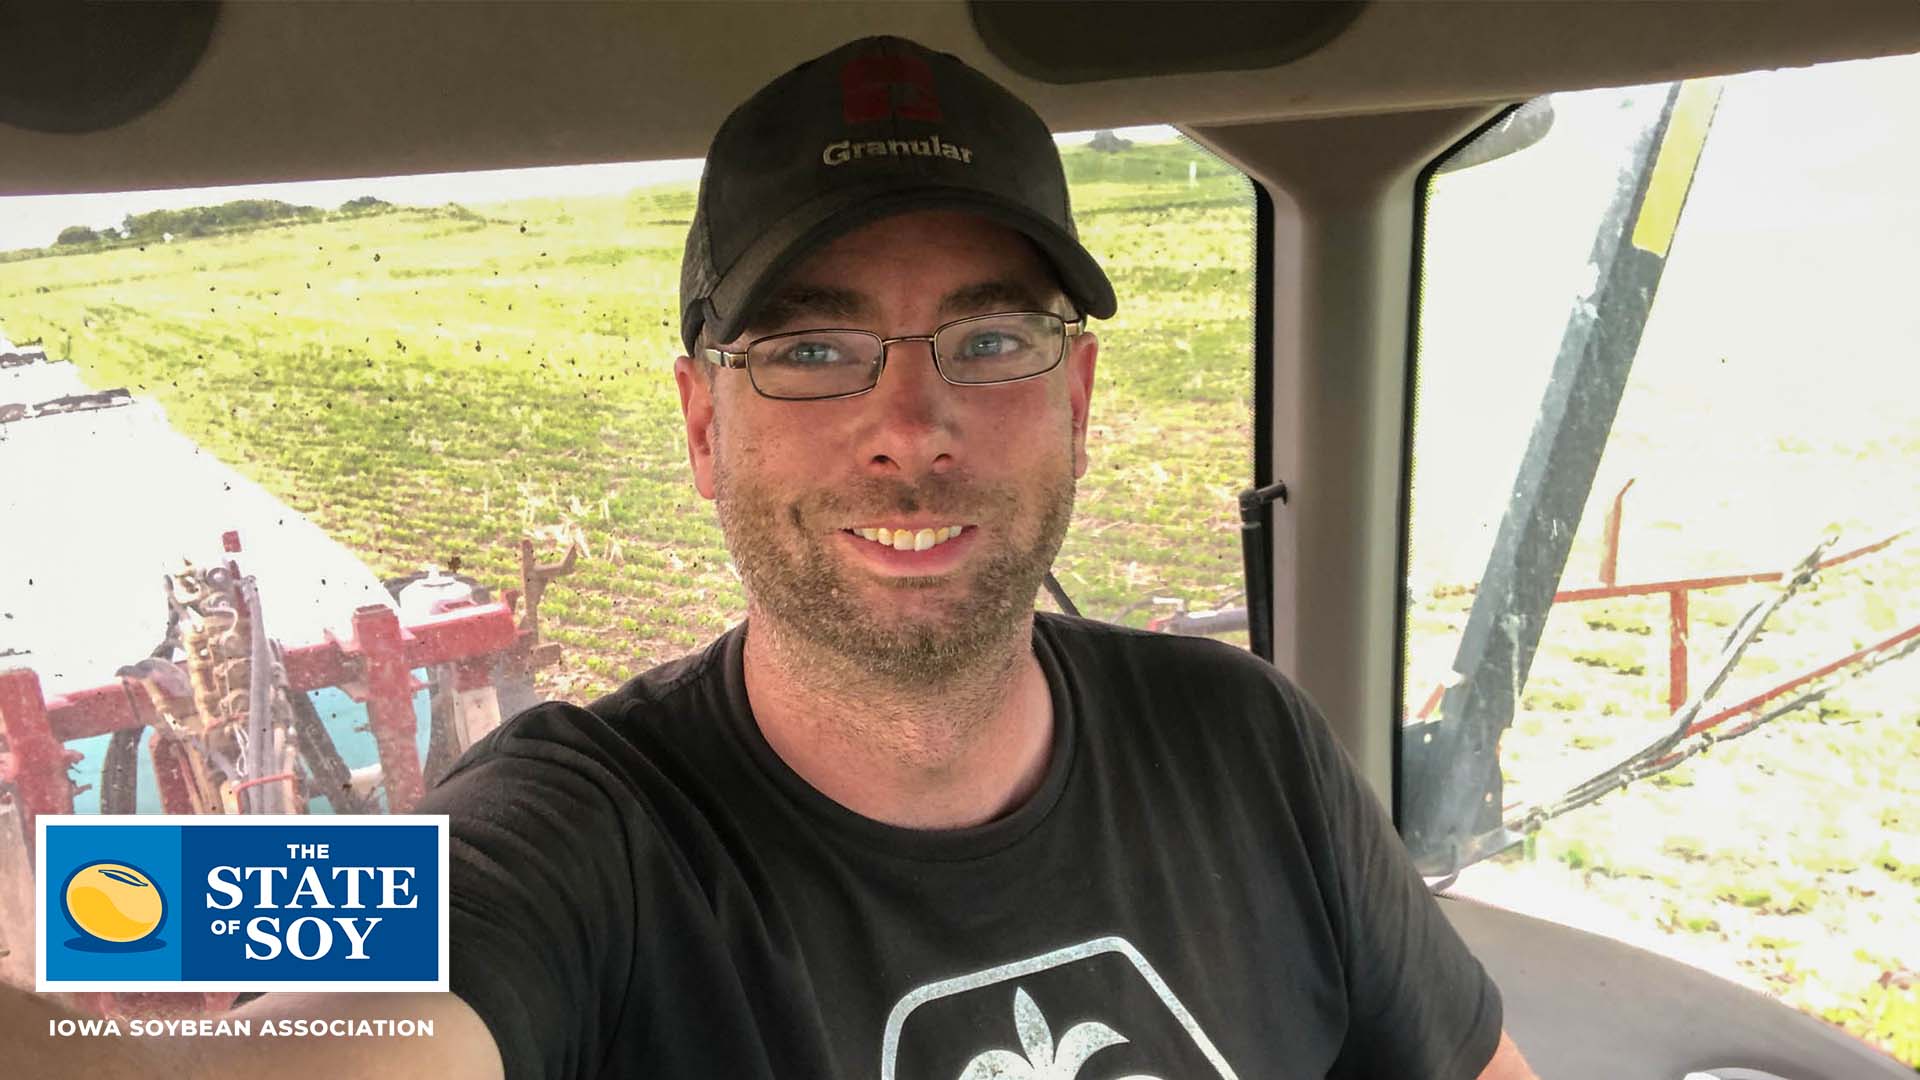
{"points": [[161, 225]]}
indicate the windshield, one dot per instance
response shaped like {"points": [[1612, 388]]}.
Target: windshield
{"points": [[431, 422]]}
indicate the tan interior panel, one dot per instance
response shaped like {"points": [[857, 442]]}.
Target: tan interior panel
{"points": [[319, 90]]}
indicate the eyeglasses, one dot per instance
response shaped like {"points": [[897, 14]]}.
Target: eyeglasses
{"points": [[984, 350]]}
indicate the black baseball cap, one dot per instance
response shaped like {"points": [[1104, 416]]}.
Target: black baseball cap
{"points": [[876, 127]]}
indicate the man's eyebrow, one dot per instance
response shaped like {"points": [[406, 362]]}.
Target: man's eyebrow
{"points": [[795, 302], [1006, 294]]}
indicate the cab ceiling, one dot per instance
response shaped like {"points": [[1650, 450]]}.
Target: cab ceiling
{"points": [[290, 91]]}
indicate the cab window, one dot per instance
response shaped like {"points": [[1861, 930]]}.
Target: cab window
{"points": [[1662, 578]]}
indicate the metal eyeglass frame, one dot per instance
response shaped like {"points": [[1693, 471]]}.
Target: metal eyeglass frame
{"points": [[1070, 329]]}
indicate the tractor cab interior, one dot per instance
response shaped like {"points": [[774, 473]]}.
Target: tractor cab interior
{"points": [[1525, 380]]}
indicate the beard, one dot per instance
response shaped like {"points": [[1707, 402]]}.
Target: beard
{"points": [[780, 543]]}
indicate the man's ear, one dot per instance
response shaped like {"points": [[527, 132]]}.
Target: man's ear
{"points": [[696, 407], [1082, 352]]}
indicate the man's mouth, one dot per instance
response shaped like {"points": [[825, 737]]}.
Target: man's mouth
{"points": [[908, 539]]}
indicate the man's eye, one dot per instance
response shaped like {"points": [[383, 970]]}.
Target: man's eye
{"points": [[808, 353], [989, 343]]}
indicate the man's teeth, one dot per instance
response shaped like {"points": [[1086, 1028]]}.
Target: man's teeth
{"points": [[911, 539]]}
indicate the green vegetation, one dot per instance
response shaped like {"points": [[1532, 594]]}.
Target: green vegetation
{"points": [[1777, 859], [1618, 615], [1542, 694], [207, 220], [1625, 660]]}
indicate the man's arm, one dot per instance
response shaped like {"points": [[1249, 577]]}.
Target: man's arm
{"points": [[460, 1046], [1507, 1064]]}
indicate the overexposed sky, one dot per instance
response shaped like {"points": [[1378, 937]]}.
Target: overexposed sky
{"points": [[34, 221]]}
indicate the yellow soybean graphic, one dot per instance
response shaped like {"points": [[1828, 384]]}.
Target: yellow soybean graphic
{"points": [[114, 902]]}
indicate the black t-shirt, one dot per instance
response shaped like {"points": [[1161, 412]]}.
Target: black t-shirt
{"points": [[1201, 887]]}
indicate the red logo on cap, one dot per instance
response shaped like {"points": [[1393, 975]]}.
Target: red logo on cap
{"points": [[875, 86]]}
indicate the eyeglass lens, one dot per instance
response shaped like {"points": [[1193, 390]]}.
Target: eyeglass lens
{"points": [[833, 363]]}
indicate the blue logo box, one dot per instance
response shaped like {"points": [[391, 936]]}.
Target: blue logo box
{"points": [[268, 903]]}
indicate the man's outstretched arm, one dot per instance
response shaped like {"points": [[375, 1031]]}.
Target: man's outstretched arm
{"points": [[460, 1046], [1507, 1064]]}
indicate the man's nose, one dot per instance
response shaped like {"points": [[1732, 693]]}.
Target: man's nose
{"points": [[912, 424]]}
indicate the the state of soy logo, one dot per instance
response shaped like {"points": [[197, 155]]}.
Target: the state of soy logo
{"points": [[241, 903]]}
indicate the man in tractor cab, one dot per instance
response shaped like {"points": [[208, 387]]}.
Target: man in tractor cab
{"points": [[897, 823]]}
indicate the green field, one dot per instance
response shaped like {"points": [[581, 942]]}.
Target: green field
{"points": [[432, 384]]}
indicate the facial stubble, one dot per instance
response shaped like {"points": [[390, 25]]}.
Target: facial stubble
{"points": [[780, 547]]}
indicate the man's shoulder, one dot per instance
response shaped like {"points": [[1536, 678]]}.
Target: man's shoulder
{"points": [[1209, 711], [1105, 648], [1214, 686], [663, 689], [689, 686]]}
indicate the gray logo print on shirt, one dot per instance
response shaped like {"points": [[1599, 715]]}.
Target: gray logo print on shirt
{"points": [[1040, 1056]]}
